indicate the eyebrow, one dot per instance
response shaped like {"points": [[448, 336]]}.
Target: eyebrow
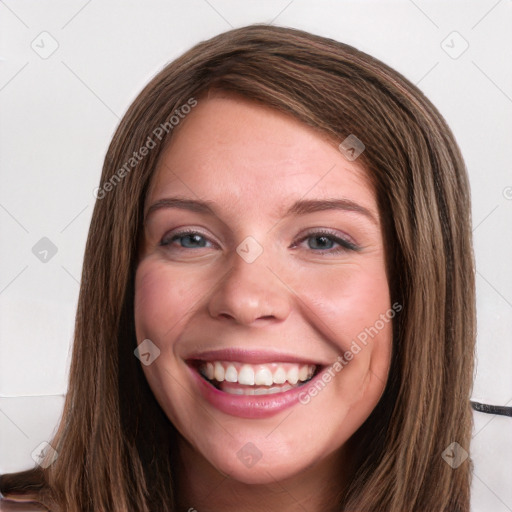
{"points": [[300, 207]]}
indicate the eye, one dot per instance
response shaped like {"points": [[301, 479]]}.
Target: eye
{"points": [[320, 241], [187, 240], [323, 241]]}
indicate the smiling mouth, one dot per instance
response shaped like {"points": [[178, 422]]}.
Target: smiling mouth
{"points": [[239, 378]]}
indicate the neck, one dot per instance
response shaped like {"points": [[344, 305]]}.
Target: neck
{"points": [[203, 488]]}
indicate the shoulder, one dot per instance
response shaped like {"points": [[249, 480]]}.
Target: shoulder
{"points": [[24, 491], [18, 505]]}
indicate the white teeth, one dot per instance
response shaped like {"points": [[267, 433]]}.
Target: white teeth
{"points": [[210, 372], [233, 390], [218, 372], [258, 374], [280, 389], [303, 373], [293, 375], [231, 374], [246, 375], [263, 377], [279, 376]]}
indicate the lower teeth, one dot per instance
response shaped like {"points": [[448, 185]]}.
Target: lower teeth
{"points": [[239, 389], [227, 387]]}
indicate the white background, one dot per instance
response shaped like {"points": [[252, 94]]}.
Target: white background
{"points": [[58, 115]]}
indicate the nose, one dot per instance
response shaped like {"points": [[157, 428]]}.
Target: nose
{"points": [[249, 293]]}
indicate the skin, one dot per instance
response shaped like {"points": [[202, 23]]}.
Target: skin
{"points": [[298, 297]]}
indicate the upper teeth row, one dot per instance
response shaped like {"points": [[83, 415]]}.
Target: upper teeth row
{"points": [[258, 374]]}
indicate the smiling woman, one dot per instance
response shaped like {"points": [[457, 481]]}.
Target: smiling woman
{"points": [[297, 248]]}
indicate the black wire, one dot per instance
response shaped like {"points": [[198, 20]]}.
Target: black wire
{"points": [[501, 410]]}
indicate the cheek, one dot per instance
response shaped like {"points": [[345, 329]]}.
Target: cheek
{"points": [[163, 298], [352, 308], [346, 301]]}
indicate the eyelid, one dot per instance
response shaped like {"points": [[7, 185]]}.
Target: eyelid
{"points": [[329, 231], [345, 243], [185, 231]]}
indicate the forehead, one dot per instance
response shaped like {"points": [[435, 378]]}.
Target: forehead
{"points": [[235, 151]]}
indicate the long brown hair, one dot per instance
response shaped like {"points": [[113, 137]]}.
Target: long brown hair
{"points": [[115, 444]]}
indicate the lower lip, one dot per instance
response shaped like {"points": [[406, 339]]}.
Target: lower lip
{"points": [[249, 406]]}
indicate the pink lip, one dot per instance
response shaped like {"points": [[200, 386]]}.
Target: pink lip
{"points": [[249, 356], [249, 406]]}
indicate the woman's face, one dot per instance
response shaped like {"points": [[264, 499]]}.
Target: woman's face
{"points": [[262, 266]]}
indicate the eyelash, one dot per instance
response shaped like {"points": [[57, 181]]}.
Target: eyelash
{"points": [[344, 245]]}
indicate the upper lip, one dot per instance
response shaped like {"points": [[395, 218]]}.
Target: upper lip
{"points": [[251, 356]]}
